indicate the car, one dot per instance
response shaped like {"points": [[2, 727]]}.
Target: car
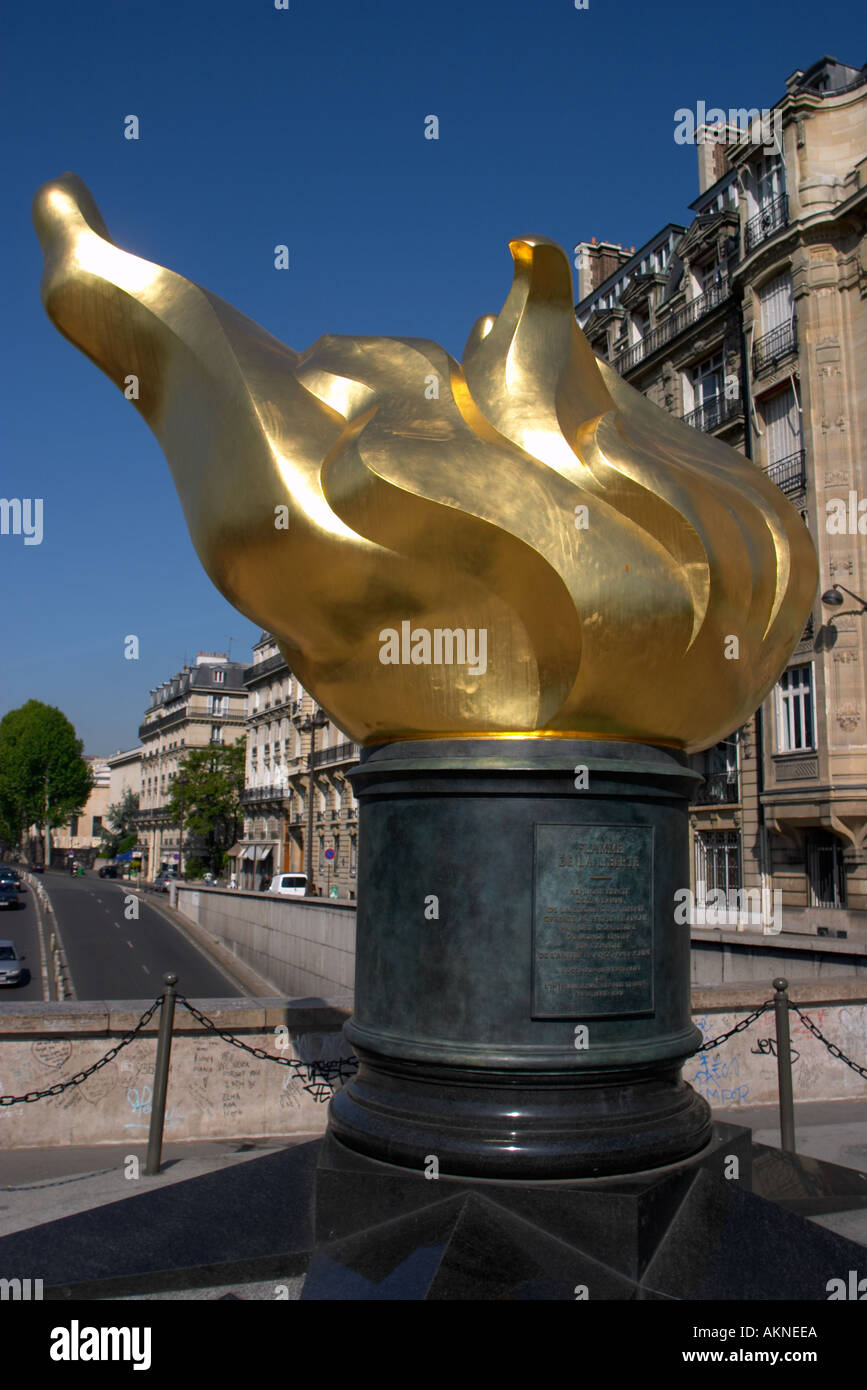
{"points": [[108, 871], [288, 885], [37, 868], [9, 895], [162, 881], [11, 968], [11, 876]]}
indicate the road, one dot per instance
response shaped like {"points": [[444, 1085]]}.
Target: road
{"points": [[22, 927], [112, 955]]}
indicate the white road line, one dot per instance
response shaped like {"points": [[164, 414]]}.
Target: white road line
{"points": [[43, 955], [145, 969]]}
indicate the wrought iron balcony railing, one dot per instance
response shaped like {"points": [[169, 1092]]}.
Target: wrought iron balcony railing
{"points": [[717, 789], [713, 413], [675, 323], [277, 792], [340, 753], [264, 668], [767, 221], [772, 347], [789, 473]]}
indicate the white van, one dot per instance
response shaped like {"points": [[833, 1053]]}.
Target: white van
{"points": [[293, 885]]}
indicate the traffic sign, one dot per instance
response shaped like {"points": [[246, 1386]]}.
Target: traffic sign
{"points": [[329, 854]]}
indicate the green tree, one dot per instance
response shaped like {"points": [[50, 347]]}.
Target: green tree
{"points": [[207, 794], [43, 777], [118, 830]]}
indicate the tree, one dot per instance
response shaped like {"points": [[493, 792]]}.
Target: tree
{"points": [[208, 799], [118, 830], [43, 777]]}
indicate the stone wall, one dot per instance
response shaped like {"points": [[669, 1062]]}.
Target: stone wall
{"points": [[743, 1070], [303, 948], [216, 1091]]}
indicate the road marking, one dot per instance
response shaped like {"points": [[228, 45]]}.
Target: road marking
{"points": [[145, 969], [130, 945]]}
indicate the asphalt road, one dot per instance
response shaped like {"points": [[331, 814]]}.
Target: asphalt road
{"points": [[21, 926], [113, 956]]}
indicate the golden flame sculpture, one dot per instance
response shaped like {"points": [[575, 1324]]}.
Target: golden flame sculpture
{"points": [[518, 544]]}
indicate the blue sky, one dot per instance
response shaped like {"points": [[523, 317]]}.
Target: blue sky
{"points": [[306, 127]]}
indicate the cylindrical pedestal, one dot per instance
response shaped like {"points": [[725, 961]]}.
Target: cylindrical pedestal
{"points": [[522, 989]]}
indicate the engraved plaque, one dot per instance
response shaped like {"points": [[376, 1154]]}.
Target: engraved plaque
{"points": [[593, 921]]}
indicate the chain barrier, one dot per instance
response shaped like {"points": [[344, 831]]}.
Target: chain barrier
{"points": [[80, 1076], [738, 1028], [321, 1077], [832, 1047]]}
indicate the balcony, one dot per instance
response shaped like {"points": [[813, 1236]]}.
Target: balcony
{"points": [[713, 413], [790, 473], [717, 789], [772, 347], [675, 323], [256, 795], [340, 753], [773, 216], [264, 668]]}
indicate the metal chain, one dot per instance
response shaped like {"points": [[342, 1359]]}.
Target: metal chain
{"points": [[80, 1076], [738, 1028], [832, 1047], [327, 1072]]}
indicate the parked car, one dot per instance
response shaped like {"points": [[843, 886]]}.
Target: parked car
{"points": [[11, 877], [162, 881], [9, 895], [37, 868], [288, 885], [11, 968], [108, 871]]}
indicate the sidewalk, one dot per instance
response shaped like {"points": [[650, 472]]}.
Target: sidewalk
{"points": [[44, 1185]]}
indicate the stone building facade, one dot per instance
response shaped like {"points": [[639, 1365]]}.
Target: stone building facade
{"points": [[291, 744], [204, 703], [79, 839], [750, 323]]}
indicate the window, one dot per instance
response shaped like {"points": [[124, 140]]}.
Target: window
{"points": [[782, 424], [795, 730], [216, 733], [769, 179], [96, 825], [217, 704], [73, 826], [826, 873], [709, 275], [717, 863], [776, 302], [219, 676]]}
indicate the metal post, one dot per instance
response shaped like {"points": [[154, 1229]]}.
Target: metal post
{"points": [[161, 1078], [784, 1066]]}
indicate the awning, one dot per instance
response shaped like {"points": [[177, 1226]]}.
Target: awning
{"points": [[236, 851]]}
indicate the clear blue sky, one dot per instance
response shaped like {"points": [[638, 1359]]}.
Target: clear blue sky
{"points": [[306, 127]]}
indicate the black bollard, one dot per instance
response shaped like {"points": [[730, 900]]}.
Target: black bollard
{"points": [[784, 1067], [161, 1078]]}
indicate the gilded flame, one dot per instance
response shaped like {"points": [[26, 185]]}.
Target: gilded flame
{"points": [[368, 483]]}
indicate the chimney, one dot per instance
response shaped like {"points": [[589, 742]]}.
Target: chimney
{"points": [[595, 261], [713, 161]]}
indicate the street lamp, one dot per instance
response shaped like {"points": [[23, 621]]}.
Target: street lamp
{"points": [[833, 598], [309, 725]]}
